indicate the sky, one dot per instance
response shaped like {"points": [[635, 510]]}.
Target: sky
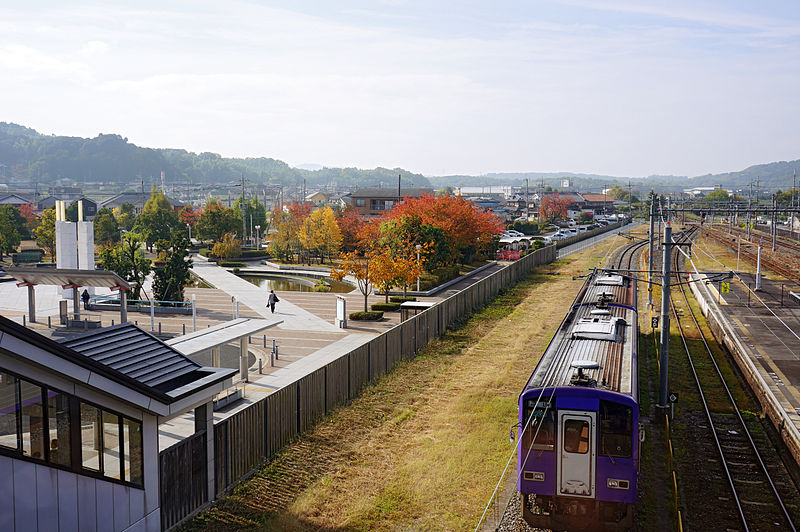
{"points": [[617, 87]]}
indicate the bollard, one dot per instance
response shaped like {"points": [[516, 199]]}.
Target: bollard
{"points": [[112, 323], [136, 322], [184, 328], [249, 339], [265, 341], [23, 320], [159, 327], [272, 359], [85, 324], [48, 322], [260, 368]]}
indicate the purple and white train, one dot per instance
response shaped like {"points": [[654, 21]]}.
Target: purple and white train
{"points": [[578, 459]]}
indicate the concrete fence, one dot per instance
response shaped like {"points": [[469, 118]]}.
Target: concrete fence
{"points": [[245, 440]]}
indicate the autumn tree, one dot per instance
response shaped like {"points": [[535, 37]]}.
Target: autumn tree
{"points": [[228, 247], [45, 232], [320, 234], [350, 223], [287, 222], [189, 215], [467, 227], [172, 273], [125, 215], [553, 207], [358, 265]]}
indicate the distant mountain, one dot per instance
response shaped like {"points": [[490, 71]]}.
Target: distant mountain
{"points": [[27, 154]]}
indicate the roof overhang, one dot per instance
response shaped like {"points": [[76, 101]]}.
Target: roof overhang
{"points": [[68, 277], [221, 334]]}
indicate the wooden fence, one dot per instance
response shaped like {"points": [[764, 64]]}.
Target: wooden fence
{"points": [[245, 440], [183, 474]]}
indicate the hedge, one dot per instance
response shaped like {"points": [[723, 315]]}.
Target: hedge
{"points": [[231, 264], [367, 316], [401, 299], [385, 306]]}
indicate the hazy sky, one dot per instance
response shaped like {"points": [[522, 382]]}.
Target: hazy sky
{"points": [[623, 87]]}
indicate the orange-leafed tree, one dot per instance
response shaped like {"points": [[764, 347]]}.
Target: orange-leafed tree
{"points": [[358, 264], [189, 215], [467, 227], [553, 207], [285, 241]]}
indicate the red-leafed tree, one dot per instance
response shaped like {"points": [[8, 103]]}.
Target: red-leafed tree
{"points": [[467, 227], [553, 207], [188, 215], [26, 211], [350, 223]]}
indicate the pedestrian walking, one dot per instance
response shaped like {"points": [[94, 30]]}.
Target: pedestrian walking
{"points": [[271, 300], [85, 298]]}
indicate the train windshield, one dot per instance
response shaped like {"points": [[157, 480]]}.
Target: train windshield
{"points": [[540, 435], [616, 430]]}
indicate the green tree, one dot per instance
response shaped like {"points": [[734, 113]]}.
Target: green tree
{"points": [[157, 221], [172, 273], [252, 208], [216, 221], [106, 228], [45, 232], [717, 195], [125, 215], [9, 229], [128, 261]]}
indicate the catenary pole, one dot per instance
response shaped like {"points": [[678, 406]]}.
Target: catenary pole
{"points": [[650, 253], [665, 288]]}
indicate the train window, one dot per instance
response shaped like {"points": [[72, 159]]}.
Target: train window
{"points": [[576, 436], [616, 430], [540, 435]]}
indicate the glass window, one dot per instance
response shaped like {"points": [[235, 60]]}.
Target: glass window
{"points": [[8, 411], [576, 436], [360, 202], [132, 432], [540, 435], [32, 420], [59, 427], [91, 437], [616, 430], [112, 448]]}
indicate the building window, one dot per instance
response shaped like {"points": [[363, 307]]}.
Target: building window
{"points": [[360, 202], [36, 422]]}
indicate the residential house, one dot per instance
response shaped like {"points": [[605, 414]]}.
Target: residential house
{"points": [[376, 201]]}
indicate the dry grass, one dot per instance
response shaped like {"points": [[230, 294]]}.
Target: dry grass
{"points": [[422, 448]]}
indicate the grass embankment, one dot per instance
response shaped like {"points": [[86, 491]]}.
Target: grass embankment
{"points": [[423, 447]]}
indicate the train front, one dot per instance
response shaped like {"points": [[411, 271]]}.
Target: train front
{"points": [[578, 416]]}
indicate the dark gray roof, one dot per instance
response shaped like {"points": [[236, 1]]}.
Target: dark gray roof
{"points": [[390, 193], [139, 355]]}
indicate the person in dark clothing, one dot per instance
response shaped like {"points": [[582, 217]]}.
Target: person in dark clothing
{"points": [[85, 298], [271, 300]]}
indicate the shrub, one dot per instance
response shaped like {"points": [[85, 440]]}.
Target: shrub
{"points": [[205, 252], [252, 253], [228, 248], [367, 316], [231, 264], [401, 299], [385, 306], [445, 274]]}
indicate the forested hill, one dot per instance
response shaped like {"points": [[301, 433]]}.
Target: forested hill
{"points": [[111, 158], [777, 175]]}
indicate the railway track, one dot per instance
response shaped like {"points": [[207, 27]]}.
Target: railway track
{"points": [[748, 496], [785, 262]]}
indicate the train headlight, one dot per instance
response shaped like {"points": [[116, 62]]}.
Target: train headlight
{"points": [[618, 484], [537, 476]]}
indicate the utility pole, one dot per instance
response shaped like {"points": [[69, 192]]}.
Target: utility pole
{"points": [[758, 269], [244, 216], [774, 220], [399, 198], [527, 202], [630, 201], [665, 288], [791, 204], [749, 205], [650, 254]]}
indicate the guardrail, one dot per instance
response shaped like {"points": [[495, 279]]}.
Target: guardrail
{"points": [[112, 302], [246, 440]]}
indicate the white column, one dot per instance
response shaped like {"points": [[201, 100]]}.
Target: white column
{"points": [[66, 249], [86, 248]]}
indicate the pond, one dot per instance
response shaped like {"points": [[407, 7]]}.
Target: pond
{"points": [[295, 283]]}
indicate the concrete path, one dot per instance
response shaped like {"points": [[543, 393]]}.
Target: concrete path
{"points": [[254, 297]]}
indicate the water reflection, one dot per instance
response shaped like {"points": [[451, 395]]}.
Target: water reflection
{"points": [[295, 284]]}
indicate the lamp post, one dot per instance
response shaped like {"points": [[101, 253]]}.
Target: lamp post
{"points": [[258, 237], [418, 246], [189, 227]]}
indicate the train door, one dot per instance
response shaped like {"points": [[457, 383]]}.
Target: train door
{"points": [[577, 451]]}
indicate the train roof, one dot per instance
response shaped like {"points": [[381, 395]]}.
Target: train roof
{"points": [[595, 346]]}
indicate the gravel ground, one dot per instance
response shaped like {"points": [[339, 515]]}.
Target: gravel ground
{"points": [[512, 519]]}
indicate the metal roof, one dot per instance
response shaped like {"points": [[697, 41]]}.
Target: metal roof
{"points": [[390, 193], [223, 333], [613, 347], [141, 356], [64, 277]]}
